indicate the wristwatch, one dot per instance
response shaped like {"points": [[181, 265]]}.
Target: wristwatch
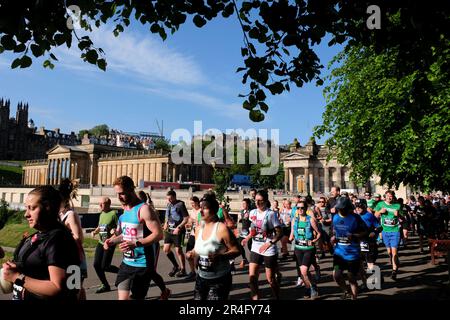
{"points": [[138, 244], [20, 281]]}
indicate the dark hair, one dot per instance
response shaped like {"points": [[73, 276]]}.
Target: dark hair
{"points": [[195, 199], [265, 195], [49, 201], [248, 202], [392, 193], [337, 188], [400, 200], [209, 201], [171, 193], [125, 182], [142, 196]]}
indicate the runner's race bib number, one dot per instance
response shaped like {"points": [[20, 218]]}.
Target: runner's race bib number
{"points": [[129, 255], [364, 246], [259, 238], [301, 243], [103, 234], [343, 241], [205, 264], [390, 222]]}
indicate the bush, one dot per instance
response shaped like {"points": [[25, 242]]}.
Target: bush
{"points": [[16, 217]]}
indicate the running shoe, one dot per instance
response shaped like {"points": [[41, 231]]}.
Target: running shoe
{"points": [[165, 295], [314, 292], [345, 295], [307, 293], [103, 289], [181, 273], [394, 275], [300, 282], [278, 277], [174, 271]]}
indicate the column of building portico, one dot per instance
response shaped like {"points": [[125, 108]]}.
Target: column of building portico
{"points": [[291, 180], [306, 175], [326, 179], [339, 176], [174, 173], [159, 172], [58, 171], [311, 181], [316, 180], [286, 179]]}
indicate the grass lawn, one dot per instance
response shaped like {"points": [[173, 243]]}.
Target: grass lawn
{"points": [[8, 256], [11, 235], [9, 174]]}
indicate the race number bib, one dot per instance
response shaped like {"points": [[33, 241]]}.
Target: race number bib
{"points": [[103, 234], [364, 246], [390, 222], [205, 264], [259, 238], [343, 241], [129, 255], [301, 242]]}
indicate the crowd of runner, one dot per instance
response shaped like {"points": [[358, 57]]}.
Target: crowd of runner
{"points": [[348, 228]]}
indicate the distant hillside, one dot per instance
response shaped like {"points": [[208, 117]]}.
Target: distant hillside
{"points": [[11, 172]]}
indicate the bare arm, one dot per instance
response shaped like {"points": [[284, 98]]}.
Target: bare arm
{"points": [[47, 288], [74, 225], [316, 229], [230, 242]]}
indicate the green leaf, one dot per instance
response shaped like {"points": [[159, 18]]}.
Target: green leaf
{"points": [[154, 28], [101, 63], [17, 62], [199, 21], [20, 48], [240, 69], [8, 42], [53, 57], [162, 34], [1, 49], [256, 116], [276, 88], [92, 56], [264, 107], [260, 95], [26, 62]]}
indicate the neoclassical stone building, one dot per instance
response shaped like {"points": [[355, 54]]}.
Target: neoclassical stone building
{"points": [[95, 164], [306, 170]]}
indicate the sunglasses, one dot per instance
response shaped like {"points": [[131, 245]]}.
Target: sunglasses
{"points": [[301, 208], [321, 201]]}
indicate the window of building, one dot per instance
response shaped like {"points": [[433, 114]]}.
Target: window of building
{"points": [[3, 196], [21, 197], [85, 201]]}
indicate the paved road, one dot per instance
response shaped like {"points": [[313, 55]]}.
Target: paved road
{"points": [[417, 279]]}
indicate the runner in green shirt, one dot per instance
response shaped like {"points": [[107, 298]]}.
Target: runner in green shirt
{"points": [[390, 214], [106, 226]]}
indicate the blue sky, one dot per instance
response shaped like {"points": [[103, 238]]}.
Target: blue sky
{"points": [[190, 76]]}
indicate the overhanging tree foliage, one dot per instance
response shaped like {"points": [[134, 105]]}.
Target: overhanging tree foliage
{"points": [[386, 121], [278, 35]]}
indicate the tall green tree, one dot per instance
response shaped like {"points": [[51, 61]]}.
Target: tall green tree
{"points": [[279, 36], [385, 121], [99, 130]]}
